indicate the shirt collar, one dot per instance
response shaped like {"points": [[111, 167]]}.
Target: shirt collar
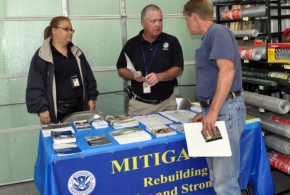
{"points": [[142, 40], [54, 50]]}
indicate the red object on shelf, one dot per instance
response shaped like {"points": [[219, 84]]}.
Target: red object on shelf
{"points": [[234, 14], [259, 43], [279, 164], [283, 157], [286, 31], [280, 120]]}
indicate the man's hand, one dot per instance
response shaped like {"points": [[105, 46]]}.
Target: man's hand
{"points": [[44, 117], [152, 79], [138, 76], [197, 118], [208, 123]]}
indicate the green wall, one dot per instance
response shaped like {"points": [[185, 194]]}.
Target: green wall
{"points": [[98, 25]]}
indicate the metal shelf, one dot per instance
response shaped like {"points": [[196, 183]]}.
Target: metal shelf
{"points": [[267, 36]]}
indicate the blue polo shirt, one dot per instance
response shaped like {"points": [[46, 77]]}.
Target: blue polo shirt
{"points": [[218, 43]]}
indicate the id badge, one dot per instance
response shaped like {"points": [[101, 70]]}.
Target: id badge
{"points": [[146, 88], [74, 80]]}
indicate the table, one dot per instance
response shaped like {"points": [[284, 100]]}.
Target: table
{"points": [[159, 166], [255, 166]]}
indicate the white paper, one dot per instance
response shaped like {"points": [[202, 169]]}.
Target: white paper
{"points": [[152, 120], [197, 147], [130, 135], [130, 65]]}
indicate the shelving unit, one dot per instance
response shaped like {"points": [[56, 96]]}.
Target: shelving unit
{"points": [[273, 12]]}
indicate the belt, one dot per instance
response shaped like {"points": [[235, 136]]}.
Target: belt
{"points": [[155, 102], [206, 103]]}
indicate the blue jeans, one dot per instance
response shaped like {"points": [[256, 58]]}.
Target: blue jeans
{"points": [[225, 171]]}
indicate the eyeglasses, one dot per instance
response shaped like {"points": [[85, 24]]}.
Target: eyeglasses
{"points": [[66, 29]]}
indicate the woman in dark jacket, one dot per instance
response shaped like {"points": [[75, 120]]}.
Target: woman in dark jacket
{"points": [[60, 79]]}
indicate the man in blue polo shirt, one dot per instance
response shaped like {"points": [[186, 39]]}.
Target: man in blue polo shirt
{"points": [[157, 58], [218, 89]]}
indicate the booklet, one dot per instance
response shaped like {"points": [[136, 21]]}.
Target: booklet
{"points": [[46, 129], [130, 135], [183, 116], [66, 149], [178, 127], [98, 140], [99, 123], [122, 121], [161, 131], [152, 120], [82, 125], [62, 137]]}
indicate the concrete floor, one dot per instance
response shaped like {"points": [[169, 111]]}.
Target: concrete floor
{"points": [[281, 180], [26, 188]]}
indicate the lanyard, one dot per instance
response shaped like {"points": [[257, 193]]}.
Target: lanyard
{"points": [[144, 59]]}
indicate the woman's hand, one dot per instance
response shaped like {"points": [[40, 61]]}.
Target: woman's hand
{"points": [[138, 77], [44, 117], [92, 105]]}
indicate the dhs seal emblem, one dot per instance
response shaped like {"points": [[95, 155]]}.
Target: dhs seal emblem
{"points": [[81, 183]]}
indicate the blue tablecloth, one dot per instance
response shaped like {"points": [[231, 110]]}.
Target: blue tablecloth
{"points": [[164, 158], [255, 167]]}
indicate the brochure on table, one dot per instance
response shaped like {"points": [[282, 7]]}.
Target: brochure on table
{"points": [[152, 120], [46, 129], [161, 131], [121, 121], [198, 147], [130, 135], [183, 116]]}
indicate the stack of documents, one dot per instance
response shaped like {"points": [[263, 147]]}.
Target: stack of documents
{"points": [[46, 129], [152, 120], [161, 131], [122, 121], [183, 116], [130, 135]]}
